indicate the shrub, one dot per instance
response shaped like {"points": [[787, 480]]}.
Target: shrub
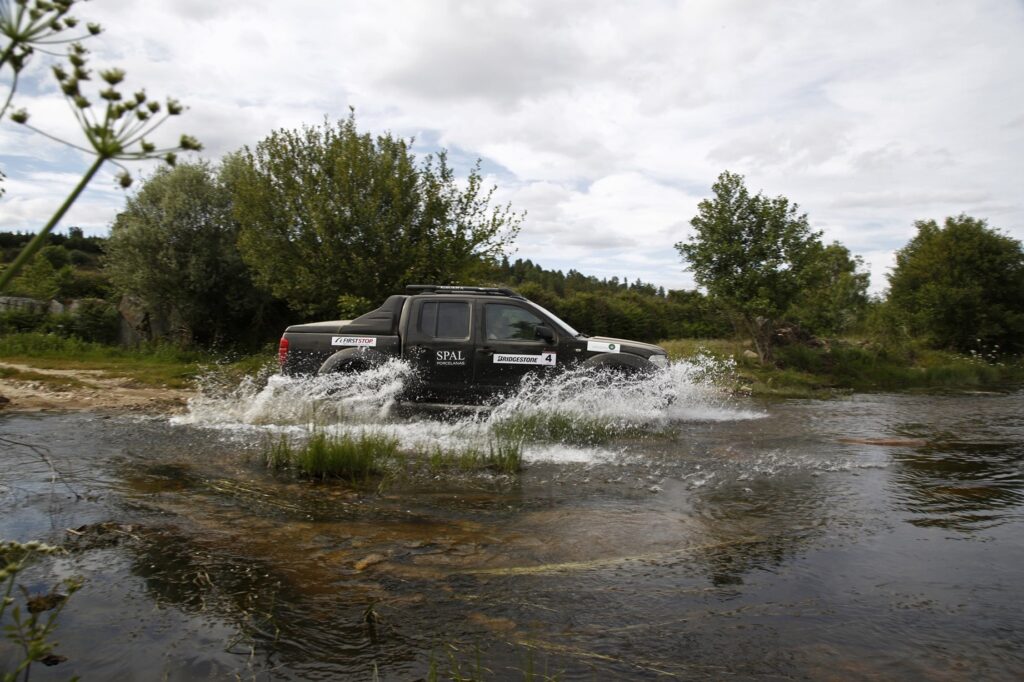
{"points": [[96, 320], [961, 286], [16, 321]]}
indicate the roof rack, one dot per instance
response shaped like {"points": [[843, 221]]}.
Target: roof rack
{"points": [[446, 289]]}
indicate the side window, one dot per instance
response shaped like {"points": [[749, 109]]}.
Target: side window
{"points": [[445, 319], [510, 323], [428, 318]]}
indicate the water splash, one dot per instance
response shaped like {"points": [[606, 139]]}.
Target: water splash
{"points": [[687, 391], [286, 400], [615, 405]]}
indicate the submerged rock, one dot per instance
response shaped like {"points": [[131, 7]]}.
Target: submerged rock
{"points": [[370, 560]]}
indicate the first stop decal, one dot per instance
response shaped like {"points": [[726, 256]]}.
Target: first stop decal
{"points": [[358, 341]]}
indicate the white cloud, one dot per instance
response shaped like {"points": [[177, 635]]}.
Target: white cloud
{"points": [[609, 120]]}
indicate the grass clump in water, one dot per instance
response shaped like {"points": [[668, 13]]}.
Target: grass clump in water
{"points": [[569, 429], [278, 454], [346, 456], [503, 455]]}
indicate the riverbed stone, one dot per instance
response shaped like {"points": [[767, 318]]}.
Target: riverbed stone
{"points": [[370, 560]]}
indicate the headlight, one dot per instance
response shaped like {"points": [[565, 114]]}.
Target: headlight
{"points": [[659, 361]]}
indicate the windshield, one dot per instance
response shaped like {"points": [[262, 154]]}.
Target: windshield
{"points": [[566, 327]]}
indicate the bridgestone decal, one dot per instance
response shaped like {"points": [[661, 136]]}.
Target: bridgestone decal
{"points": [[364, 341], [603, 347], [509, 359]]}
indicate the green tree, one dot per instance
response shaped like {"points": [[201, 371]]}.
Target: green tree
{"points": [[961, 286], [174, 248], [327, 211], [753, 254], [38, 280], [836, 294]]}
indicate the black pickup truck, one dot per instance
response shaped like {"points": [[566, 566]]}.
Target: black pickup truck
{"points": [[461, 341]]}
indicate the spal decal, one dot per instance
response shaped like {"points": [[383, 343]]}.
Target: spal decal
{"points": [[603, 346], [362, 341], [450, 358], [547, 359]]}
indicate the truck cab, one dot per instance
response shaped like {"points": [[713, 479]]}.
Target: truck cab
{"points": [[461, 341]]}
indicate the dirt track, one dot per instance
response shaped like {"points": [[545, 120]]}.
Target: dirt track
{"points": [[82, 389]]}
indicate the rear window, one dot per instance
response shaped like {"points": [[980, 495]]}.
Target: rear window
{"points": [[445, 319]]}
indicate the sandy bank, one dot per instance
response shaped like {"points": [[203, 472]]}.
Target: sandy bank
{"points": [[29, 388]]}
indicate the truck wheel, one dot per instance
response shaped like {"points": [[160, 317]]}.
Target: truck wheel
{"points": [[351, 360]]}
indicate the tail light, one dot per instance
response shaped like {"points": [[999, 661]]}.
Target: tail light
{"points": [[282, 351]]}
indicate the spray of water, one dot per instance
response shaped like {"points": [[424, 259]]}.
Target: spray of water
{"points": [[574, 416], [358, 397], [686, 391]]}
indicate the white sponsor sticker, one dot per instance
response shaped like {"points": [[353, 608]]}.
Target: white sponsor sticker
{"points": [[603, 346], [366, 341], [515, 359]]}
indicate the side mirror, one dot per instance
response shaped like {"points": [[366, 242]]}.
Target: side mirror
{"points": [[544, 332]]}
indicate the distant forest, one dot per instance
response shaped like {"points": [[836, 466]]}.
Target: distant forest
{"points": [[71, 266]]}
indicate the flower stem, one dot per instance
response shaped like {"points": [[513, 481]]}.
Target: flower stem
{"points": [[37, 242]]}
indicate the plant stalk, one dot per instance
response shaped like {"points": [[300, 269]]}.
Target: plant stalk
{"points": [[37, 242]]}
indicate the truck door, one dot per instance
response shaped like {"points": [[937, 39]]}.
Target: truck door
{"points": [[439, 344], [509, 346]]}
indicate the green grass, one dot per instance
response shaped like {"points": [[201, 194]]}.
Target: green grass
{"points": [[569, 429], [851, 365], [278, 453], [360, 458], [505, 454], [151, 364], [55, 382], [355, 458], [502, 455]]}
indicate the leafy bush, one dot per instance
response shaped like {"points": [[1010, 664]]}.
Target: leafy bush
{"points": [[74, 284], [16, 321], [96, 320], [961, 287], [38, 280], [57, 256], [93, 320], [79, 258]]}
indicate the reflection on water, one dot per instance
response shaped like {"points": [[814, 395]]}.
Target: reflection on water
{"points": [[876, 537], [962, 485]]}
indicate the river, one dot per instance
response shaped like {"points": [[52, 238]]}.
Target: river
{"points": [[871, 537]]}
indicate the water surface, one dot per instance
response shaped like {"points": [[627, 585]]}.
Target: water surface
{"points": [[875, 537]]}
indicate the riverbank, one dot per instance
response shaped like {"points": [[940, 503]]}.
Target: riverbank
{"points": [[47, 372], [30, 388], [851, 366], [43, 371]]}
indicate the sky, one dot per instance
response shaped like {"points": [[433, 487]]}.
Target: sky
{"points": [[606, 122]]}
